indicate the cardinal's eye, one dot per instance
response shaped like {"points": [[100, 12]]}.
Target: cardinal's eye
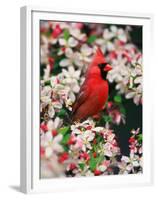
{"points": [[102, 65]]}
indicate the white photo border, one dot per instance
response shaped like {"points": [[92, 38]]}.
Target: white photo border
{"points": [[30, 115]]}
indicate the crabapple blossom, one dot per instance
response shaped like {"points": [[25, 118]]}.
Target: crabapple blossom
{"points": [[90, 147]]}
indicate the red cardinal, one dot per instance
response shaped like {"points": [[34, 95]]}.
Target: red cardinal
{"points": [[94, 91]]}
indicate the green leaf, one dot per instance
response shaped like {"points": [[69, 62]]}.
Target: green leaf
{"points": [[62, 113], [66, 34], [65, 139], [92, 163], [95, 161], [140, 138], [99, 139], [56, 68], [95, 147], [91, 39], [107, 118], [47, 82], [122, 110], [64, 130], [66, 148], [100, 159], [81, 165], [118, 98]]}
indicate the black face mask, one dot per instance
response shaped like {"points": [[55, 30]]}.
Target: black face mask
{"points": [[103, 73]]}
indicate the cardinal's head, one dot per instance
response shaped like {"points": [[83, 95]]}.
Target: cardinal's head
{"points": [[99, 67]]}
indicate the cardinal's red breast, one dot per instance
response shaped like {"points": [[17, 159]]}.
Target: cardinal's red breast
{"points": [[92, 98]]}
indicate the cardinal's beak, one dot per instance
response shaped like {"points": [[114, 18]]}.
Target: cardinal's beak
{"points": [[107, 68]]}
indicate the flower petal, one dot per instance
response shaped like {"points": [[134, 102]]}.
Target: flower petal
{"points": [[72, 42], [64, 62], [62, 42], [51, 112], [86, 50], [130, 95], [69, 53]]}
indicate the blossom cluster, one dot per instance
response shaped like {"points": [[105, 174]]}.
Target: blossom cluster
{"points": [[88, 148], [133, 163]]}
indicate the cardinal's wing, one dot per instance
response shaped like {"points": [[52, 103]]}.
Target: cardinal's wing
{"points": [[81, 98]]}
